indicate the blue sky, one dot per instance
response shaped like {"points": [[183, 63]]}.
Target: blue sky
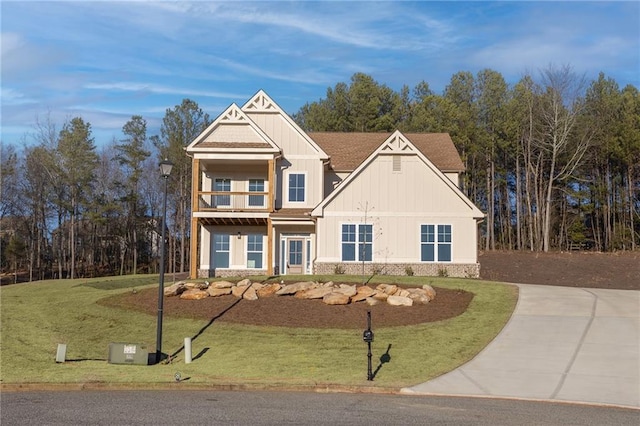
{"points": [[106, 61]]}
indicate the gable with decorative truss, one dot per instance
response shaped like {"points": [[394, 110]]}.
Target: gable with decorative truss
{"points": [[397, 144], [233, 129], [261, 103]]}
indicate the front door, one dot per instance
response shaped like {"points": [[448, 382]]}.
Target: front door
{"points": [[296, 256]]}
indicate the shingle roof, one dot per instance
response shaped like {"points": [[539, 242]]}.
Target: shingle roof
{"points": [[349, 150]]}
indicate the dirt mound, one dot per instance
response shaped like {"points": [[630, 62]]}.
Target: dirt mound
{"points": [[288, 311], [570, 269]]}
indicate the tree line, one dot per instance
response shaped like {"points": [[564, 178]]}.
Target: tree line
{"points": [[72, 210], [553, 161]]}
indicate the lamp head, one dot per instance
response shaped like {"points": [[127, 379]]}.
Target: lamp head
{"points": [[165, 168]]}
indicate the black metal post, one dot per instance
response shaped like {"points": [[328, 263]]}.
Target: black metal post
{"points": [[369, 367], [161, 286]]}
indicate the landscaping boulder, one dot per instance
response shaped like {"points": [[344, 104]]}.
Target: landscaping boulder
{"points": [[244, 282], [194, 294], [268, 290], [314, 293], [372, 301], [238, 290], [336, 299], [347, 290], [250, 294], [215, 292], [362, 293], [175, 289], [431, 292], [401, 292], [399, 301], [387, 288], [294, 288], [221, 284]]}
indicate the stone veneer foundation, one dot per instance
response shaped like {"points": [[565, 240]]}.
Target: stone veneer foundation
{"points": [[458, 270]]}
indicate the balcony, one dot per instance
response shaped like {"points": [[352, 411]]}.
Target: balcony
{"points": [[227, 201]]}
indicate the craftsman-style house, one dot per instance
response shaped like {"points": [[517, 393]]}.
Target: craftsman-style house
{"points": [[268, 198]]}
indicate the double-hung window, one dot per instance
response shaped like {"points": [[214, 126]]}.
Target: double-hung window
{"points": [[357, 242], [256, 185], [221, 250], [435, 243], [254, 251], [296, 187], [222, 185]]}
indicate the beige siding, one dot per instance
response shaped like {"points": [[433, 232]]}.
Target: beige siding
{"points": [[396, 238], [313, 171], [234, 133], [283, 134], [298, 157], [415, 189], [454, 177], [237, 246], [396, 204]]}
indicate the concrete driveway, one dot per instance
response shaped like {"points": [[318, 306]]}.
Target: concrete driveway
{"points": [[561, 344]]}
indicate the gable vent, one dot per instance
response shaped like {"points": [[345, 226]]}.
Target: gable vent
{"points": [[397, 163]]}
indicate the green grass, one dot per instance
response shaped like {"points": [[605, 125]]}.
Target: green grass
{"points": [[37, 316]]}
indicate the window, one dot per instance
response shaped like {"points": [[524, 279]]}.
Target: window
{"points": [[254, 251], [357, 242], [435, 247], [296, 187], [222, 185], [256, 185], [221, 250]]}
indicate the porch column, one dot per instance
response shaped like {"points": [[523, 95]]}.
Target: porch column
{"points": [[269, 247], [272, 185], [195, 193]]}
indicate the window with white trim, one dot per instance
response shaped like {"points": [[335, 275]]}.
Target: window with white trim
{"points": [[256, 185], [222, 185], [221, 250], [254, 251], [357, 242], [435, 243], [296, 187]]}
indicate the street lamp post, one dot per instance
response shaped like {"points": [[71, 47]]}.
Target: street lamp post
{"points": [[165, 171]]}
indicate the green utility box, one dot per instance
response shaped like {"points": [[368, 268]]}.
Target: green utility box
{"points": [[128, 353]]}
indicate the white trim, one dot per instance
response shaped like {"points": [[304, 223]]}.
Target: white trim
{"points": [[436, 243], [357, 242], [306, 186]]}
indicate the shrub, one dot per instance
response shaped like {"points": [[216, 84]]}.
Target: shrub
{"points": [[408, 270], [442, 272]]}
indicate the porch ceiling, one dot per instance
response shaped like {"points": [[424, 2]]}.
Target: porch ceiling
{"points": [[235, 221]]}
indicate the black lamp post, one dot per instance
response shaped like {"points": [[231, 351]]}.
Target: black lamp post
{"points": [[165, 171]]}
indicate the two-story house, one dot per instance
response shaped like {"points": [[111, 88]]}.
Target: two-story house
{"points": [[268, 198]]}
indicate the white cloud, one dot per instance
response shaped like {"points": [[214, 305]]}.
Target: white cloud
{"points": [[158, 89]]}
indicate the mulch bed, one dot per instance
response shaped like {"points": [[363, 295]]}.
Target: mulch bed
{"points": [[287, 311], [571, 269]]}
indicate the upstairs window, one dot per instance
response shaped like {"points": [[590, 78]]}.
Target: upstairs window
{"points": [[256, 185], [222, 185], [296, 187]]}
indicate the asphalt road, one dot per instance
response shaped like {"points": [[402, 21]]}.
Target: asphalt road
{"points": [[183, 408]]}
